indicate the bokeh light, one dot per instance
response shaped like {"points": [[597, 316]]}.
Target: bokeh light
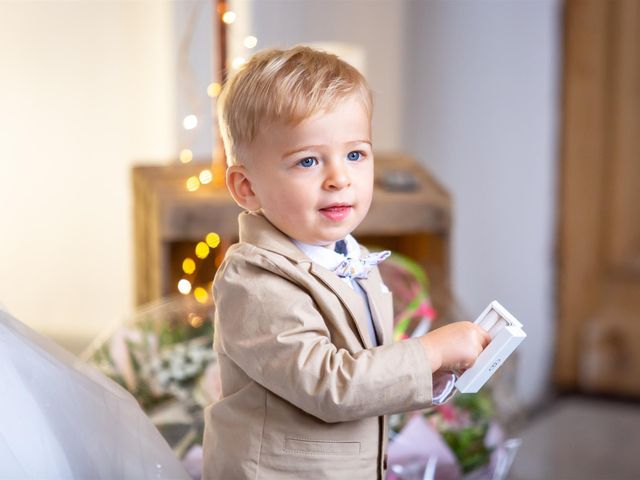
{"points": [[250, 41], [202, 250], [190, 122], [214, 89], [205, 177], [193, 183], [201, 295], [195, 320], [238, 62], [229, 17], [186, 155], [188, 266], [212, 239], [184, 286]]}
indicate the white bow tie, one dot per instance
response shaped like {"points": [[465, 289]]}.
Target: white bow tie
{"points": [[360, 267]]}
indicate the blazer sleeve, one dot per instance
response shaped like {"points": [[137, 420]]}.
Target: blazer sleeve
{"points": [[272, 330]]}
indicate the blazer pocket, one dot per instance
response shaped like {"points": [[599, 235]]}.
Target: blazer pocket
{"points": [[320, 447]]}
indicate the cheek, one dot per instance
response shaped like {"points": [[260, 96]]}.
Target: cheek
{"points": [[269, 189], [366, 185], [289, 200], [368, 199], [300, 191]]}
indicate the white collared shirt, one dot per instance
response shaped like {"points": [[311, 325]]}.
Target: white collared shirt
{"points": [[330, 259]]}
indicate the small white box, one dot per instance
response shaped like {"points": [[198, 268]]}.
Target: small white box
{"points": [[506, 334]]}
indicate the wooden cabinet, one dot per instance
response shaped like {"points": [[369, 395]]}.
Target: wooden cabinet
{"points": [[169, 220]]}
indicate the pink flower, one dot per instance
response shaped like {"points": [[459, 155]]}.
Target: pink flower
{"points": [[448, 412]]}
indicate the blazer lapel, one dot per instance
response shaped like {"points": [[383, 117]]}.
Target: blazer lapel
{"points": [[256, 229], [349, 298]]}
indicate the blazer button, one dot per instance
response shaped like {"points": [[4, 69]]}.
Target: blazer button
{"points": [[384, 461]]}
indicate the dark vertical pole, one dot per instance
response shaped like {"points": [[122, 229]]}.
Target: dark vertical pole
{"points": [[218, 163], [220, 8]]}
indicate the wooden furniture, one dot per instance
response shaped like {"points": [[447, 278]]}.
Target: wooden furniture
{"points": [[599, 244], [169, 220]]}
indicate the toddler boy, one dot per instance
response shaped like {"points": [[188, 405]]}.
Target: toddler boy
{"points": [[303, 324]]}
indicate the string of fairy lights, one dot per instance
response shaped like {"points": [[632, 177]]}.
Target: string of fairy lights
{"points": [[190, 123], [190, 265]]}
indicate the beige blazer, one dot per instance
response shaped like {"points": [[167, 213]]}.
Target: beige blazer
{"points": [[304, 392]]}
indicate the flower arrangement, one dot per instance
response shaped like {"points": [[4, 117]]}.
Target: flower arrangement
{"points": [[459, 438], [464, 424], [164, 357]]}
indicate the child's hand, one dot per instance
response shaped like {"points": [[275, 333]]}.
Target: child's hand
{"points": [[455, 346]]}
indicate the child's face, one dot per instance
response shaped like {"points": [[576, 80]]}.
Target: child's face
{"points": [[314, 180]]}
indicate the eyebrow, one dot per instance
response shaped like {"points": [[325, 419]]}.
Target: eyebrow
{"points": [[312, 147]]}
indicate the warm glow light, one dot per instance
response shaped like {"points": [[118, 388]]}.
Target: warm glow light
{"points": [[190, 122], [238, 62], [250, 41], [218, 259], [184, 286], [193, 183], [201, 295], [214, 89], [186, 155], [195, 320], [202, 250], [229, 17], [188, 266], [212, 239], [205, 177]]}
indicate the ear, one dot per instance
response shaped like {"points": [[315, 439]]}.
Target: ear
{"points": [[239, 185]]}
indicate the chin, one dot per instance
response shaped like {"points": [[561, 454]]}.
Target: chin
{"points": [[324, 241], [331, 236]]}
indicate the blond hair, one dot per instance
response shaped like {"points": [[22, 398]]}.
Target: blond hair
{"points": [[283, 86]]}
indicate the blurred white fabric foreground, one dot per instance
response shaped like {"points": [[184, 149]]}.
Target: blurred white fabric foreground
{"points": [[60, 418]]}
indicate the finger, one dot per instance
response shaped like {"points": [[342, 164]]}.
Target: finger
{"points": [[485, 337]]}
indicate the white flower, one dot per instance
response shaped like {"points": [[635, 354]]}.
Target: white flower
{"points": [[163, 377], [191, 369], [154, 364], [196, 355], [177, 364]]}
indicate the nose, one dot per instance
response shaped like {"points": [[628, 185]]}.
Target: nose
{"points": [[337, 176]]}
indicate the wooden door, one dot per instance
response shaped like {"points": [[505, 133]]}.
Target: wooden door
{"points": [[598, 347]]}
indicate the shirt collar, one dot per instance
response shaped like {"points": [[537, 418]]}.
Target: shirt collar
{"points": [[326, 257]]}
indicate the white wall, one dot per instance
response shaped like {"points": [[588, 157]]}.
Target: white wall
{"points": [[482, 112], [192, 40], [375, 26], [87, 89]]}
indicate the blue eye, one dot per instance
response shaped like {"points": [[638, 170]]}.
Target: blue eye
{"points": [[353, 156], [307, 162]]}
